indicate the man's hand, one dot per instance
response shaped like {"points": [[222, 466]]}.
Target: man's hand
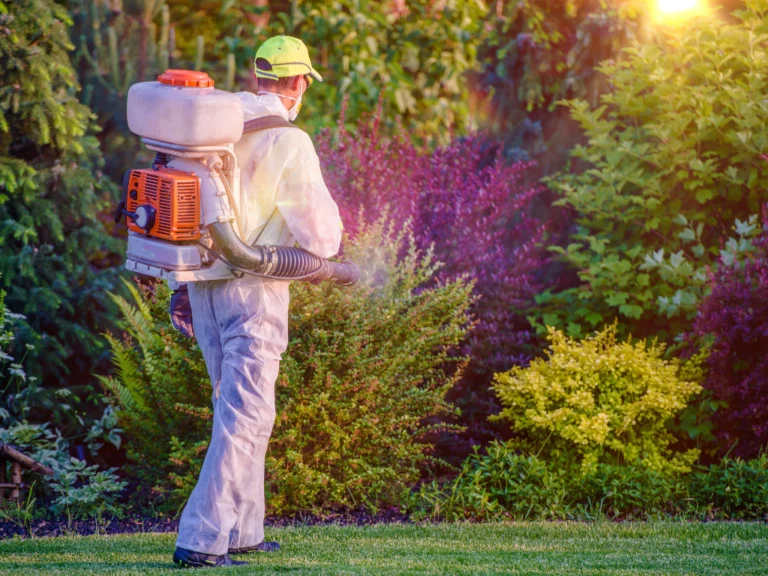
{"points": [[181, 312]]}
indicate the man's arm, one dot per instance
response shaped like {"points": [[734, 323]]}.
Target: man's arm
{"points": [[306, 204]]}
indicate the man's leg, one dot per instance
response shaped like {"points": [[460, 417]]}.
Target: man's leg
{"points": [[249, 527], [226, 508], [192, 534]]}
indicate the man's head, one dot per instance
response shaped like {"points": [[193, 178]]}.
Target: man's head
{"points": [[283, 67]]}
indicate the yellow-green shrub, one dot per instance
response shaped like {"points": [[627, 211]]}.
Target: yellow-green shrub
{"points": [[598, 400]]}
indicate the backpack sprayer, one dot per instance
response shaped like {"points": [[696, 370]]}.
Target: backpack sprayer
{"points": [[181, 213]]}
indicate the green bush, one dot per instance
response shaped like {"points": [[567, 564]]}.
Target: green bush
{"points": [[79, 490], [54, 250], [598, 400], [629, 491], [498, 484], [674, 160], [734, 488], [364, 369], [503, 484]]}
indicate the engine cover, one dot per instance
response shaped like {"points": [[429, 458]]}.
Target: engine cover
{"points": [[175, 197]]}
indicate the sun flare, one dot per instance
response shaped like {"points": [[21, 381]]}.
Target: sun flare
{"points": [[678, 6]]}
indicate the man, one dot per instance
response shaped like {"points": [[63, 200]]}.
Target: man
{"points": [[242, 323]]}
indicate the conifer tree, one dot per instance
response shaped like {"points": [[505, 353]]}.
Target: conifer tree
{"points": [[55, 253]]}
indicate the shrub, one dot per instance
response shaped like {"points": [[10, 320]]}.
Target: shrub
{"points": [[494, 485], [733, 322], [364, 368], [55, 251], [502, 483], [628, 491], [598, 401], [468, 203], [734, 488], [672, 153]]}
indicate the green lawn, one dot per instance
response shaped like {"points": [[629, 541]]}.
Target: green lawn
{"points": [[524, 548]]}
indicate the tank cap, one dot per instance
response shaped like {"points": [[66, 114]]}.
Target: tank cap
{"points": [[187, 78]]}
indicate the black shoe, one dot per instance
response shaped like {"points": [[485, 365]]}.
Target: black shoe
{"points": [[261, 547], [190, 559]]}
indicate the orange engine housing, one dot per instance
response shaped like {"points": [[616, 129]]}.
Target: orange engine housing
{"points": [[174, 194]]}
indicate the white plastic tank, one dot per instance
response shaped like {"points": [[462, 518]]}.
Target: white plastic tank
{"points": [[183, 107]]}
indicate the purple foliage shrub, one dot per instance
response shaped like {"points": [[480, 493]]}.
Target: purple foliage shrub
{"points": [[734, 318], [470, 204]]}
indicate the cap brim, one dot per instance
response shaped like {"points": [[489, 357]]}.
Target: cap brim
{"points": [[315, 75]]}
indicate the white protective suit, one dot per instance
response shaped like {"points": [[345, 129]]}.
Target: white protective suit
{"points": [[241, 326]]}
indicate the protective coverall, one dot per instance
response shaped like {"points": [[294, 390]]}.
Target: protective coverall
{"points": [[242, 328]]}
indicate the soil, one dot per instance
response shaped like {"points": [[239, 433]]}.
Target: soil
{"points": [[138, 524]]}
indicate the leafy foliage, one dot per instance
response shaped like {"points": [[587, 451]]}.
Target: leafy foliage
{"points": [[81, 491], [76, 489], [733, 322], [84, 491], [538, 52], [469, 204], [466, 203], [497, 484], [674, 154], [412, 54], [364, 368], [54, 247], [117, 44], [598, 401], [503, 484], [734, 488]]}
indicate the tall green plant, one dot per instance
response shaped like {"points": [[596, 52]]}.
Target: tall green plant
{"points": [[365, 368], [674, 155], [53, 248]]}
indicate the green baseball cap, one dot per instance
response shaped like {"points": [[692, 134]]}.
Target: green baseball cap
{"points": [[288, 56]]}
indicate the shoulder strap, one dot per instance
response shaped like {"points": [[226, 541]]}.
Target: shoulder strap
{"points": [[265, 123]]}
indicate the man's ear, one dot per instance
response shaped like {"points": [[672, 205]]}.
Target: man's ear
{"points": [[296, 83]]}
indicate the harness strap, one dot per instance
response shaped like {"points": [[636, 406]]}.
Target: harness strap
{"points": [[266, 123]]}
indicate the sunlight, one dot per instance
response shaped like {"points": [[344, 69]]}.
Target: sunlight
{"points": [[677, 6], [678, 11]]}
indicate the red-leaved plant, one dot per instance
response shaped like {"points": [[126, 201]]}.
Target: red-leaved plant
{"points": [[734, 318], [467, 202]]}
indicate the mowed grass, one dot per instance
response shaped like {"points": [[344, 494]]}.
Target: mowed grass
{"points": [[514, 548]]}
